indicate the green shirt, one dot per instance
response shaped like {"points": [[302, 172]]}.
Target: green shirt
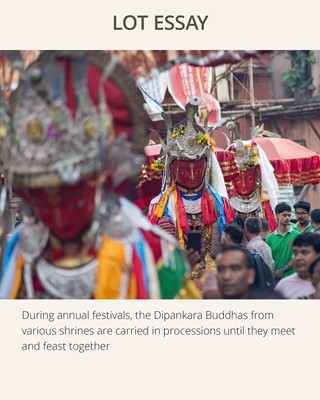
{"points": [[281, 247], [309, 228]]}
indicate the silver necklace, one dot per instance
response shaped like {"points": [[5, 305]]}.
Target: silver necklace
{"points": [[192, 206], [61, 283]]}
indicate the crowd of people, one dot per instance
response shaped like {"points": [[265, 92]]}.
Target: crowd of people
{"points": [[291, 253], [74, 149]]}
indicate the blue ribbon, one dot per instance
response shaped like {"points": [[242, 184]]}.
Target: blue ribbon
{"points": [[220, 209]]}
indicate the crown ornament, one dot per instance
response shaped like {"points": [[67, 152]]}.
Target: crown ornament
{"points": [[246, 154], [47, 143], [187, 140]]}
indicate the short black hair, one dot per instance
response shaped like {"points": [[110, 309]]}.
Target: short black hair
{"points": [[235, 247], [281, 207], [305, 205], [264, 224], [315, 215], [253, 225], [313, 264], [235, 232], [308, 239], [240, 220]]}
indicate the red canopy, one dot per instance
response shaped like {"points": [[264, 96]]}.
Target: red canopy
{"points": [[293, 164]]}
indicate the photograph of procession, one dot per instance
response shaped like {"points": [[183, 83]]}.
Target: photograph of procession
{"points": [[160, 174]]}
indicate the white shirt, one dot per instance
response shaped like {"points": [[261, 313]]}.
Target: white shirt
{"points": [[257, 245], [294, 287]]}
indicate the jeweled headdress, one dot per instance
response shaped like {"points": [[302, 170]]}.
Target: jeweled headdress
{"points": [[187, 140], [57, 134], [246, 154]]}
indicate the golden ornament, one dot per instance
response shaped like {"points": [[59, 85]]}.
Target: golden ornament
{"points": [[191, 142], [89, 129], [35, 130]]}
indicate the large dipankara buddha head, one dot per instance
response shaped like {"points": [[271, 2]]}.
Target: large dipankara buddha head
{"points": [[188, 151], [247, 182], [63, 141]]}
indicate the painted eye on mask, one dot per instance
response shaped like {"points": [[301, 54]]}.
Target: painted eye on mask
{"points": [[78, 204]]}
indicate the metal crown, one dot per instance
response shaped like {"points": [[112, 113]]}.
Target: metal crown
{"points": [[47, 144]]}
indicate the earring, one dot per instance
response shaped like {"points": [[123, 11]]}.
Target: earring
{"points": [[33, 240], [33, 237]]}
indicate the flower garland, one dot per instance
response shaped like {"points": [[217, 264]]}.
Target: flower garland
{"points": [[157, 165], [202, 138], [251, 154], [177, 131]]}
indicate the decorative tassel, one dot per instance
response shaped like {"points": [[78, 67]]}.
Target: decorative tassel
{"points": [[180, 233], [269, 216], [182, 214], [18, 277], [137, 270], [228, 211], [208, 212], [111, 261]]}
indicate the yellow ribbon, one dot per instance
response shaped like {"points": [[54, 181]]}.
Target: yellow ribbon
{"points": [[111, 262], [180, 233], [164, 200]]}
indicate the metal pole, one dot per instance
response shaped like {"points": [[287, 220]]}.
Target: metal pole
{"points": [[251, 89], [231, 86]]}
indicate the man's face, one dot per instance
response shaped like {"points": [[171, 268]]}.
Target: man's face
{"points": [[302, 216], [284, 218], [245, 182], [314, 225], [302, 257], [188, 174], [233, 274]]}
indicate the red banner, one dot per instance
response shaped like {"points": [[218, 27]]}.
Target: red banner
{"points": [[186, 81]]}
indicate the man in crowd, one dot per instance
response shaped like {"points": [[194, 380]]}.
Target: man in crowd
{"points": [[236, 275], [232, 234], [302, 211], [265, 229], [315, 220], [314, 271], [252, 229], [235, 272], [280, 242], [299, 285]]}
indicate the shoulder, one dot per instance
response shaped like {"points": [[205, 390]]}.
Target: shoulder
{"points": [[265, 245], [264, 293], [286, 281]]}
